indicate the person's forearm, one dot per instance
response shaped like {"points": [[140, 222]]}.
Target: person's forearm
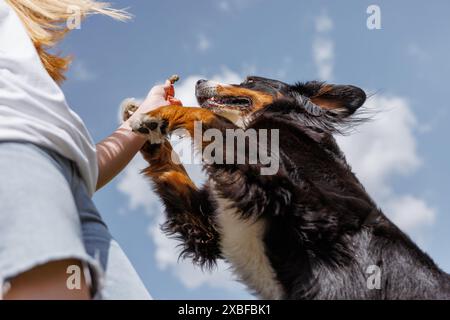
{"points": [[115, 152]]}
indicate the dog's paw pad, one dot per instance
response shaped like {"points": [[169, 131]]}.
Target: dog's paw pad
{"points": [[154, 129]]}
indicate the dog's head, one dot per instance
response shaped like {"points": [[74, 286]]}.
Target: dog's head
{"points": [[317, 110], [325, 105]]}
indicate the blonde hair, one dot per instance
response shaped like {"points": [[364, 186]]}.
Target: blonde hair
{"points": [[46, 24]]}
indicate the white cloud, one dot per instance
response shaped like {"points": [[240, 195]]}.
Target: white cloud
{"points": [[323, 47], [81, 72], [203, 43], [136, 187], [411, 213], [227, 6], [417, 52], [384, 146], [324, 23], [323, 51], [382, 149], [224, 6]]}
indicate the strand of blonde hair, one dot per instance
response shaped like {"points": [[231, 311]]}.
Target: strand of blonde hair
{"points": [[46, 24]]}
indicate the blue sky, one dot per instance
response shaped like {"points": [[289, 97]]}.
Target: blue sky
{"points": [[402, 156]]}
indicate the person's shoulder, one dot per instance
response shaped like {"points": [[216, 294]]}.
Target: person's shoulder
{"points": [[4, 9]]}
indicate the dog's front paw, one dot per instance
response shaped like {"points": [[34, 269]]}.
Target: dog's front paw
{"points": [[154, 129]]}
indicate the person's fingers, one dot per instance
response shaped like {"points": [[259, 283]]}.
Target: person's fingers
{"points": [[170, 91], [166, 89], [158, 90], [167, 85]]}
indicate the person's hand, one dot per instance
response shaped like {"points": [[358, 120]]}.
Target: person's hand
{"points": [[159, 96]]}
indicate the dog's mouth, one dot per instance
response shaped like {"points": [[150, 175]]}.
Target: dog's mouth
{"points": [[209, 96], [225, 102]]}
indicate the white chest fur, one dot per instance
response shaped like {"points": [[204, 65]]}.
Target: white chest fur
{"points": [[243, 247]]}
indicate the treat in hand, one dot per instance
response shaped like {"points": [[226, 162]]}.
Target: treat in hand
{"points": [[174, 78], [171, 91]]}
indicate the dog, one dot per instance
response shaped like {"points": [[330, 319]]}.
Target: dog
{"points": [[308, 231]]}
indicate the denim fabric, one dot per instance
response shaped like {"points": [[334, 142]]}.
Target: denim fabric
{"points": [[46, 214]]}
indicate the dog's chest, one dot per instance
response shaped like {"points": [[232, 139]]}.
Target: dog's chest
{"points": [[243, 247]]}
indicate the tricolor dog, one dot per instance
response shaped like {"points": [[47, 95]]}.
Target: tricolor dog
{"points": [[307, 231]]}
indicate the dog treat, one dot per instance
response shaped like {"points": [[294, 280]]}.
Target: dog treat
{"points": [[174, 78]]}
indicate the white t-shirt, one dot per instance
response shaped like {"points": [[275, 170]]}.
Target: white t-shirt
{"points": [[33, 107]]}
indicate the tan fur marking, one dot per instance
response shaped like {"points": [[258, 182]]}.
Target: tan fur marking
{"points": [[325, 103], [184, 117], [260, 99], [163, 170]]}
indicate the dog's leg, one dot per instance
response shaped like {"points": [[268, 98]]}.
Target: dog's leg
{"points": [[189, 209], [157, 124]]}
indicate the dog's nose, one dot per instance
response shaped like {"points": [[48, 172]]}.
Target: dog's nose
{"points": [[199, 82]]}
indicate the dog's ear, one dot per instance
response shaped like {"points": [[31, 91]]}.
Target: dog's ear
{"points": [[342, 99]]}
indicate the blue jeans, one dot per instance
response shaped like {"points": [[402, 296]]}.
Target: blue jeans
{"points": [[46, 215]]}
